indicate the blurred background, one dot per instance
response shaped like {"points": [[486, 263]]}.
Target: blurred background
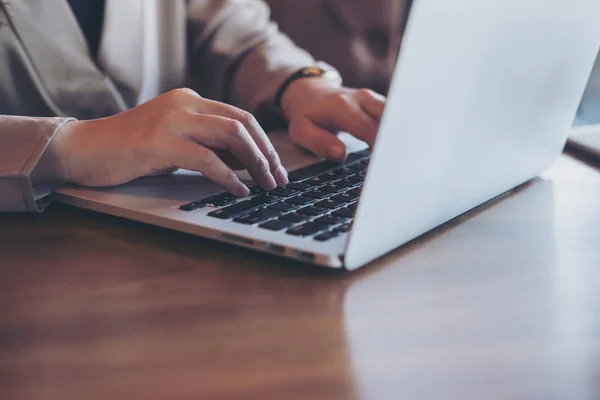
{"points": [[362, 42], [589, 110]]}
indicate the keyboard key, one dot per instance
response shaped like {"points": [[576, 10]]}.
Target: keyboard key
{"points": [[301, 200], [327, 235], [359, 166], [331, 220], [310, 210], [358, 159], [344, 213], [346, 171], [355, 191], [219, 200], [276, 225], [237, 209], [348, 184], [301, 186], [343, 229], [332, 188], [353, 184], [316, 181], [196, 205], [266, 199], [293, 217], [316, 194], [359, 154], [283, 206], [331, 176], [307, 229], [312, 170], [330, 204], [256, 190], [258, 216], [345, 197], [208, 200], [283, 192]]}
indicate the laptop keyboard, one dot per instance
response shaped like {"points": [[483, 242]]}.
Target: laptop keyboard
{"points": [[319, 202]]}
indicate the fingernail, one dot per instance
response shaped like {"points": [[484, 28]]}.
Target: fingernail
{"points": [[282, 176], [270, 183], [337, 153], [241, 190]]}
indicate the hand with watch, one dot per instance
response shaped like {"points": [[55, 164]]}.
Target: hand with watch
{"points": [[317, 107]]}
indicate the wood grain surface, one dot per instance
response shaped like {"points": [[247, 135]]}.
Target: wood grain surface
{"points": [[503, 303]]}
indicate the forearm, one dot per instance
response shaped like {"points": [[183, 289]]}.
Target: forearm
{"points": [[237, 54], [265, 68]]}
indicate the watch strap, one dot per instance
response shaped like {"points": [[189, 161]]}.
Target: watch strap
{"points": [[319, 70]]}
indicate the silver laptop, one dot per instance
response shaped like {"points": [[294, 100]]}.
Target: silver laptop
{"points": [[483, 97]]}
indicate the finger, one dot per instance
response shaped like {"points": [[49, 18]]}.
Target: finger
{"points": [[227, 134], [372, 103], [187, 155], [229, 159], [318, 140], [254, 129], [162, 172], [343, 113]]}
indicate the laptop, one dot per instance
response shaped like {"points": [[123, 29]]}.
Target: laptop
{"points": [[482, 99]]}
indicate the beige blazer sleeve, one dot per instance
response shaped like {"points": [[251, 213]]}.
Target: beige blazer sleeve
{"points": [[22, 143], [238, 55], [227, 50]]}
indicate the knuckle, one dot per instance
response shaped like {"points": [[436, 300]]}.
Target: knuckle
{"points": [[207, 157], [180, 94], [230, 177], [261, 164], [342, 99], [245, 117], [272, 155], [236, 128], [366, 93]]}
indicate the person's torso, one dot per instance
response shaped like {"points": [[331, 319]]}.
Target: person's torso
{"points": [[49, 66]]}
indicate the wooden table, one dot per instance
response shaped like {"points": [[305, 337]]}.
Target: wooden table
{"points": [[501, 304]]}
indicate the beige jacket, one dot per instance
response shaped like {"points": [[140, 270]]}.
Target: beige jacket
{"points": [[225, 49]]}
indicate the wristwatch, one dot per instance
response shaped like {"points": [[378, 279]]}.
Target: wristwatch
{"points": [[319, 70]]}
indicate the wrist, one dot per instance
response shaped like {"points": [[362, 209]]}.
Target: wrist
{"points": [[53, 166], [304, 91], [304, 83], [50, 167]]}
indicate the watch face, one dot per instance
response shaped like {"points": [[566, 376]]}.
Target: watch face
{"points": [[313, 71], [329, 72]]}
